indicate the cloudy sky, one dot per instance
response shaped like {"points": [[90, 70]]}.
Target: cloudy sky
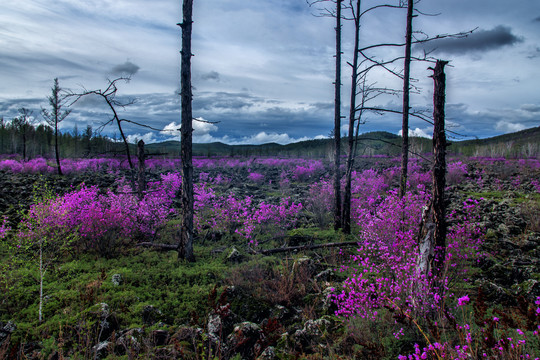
{"points": [[263, 69]]}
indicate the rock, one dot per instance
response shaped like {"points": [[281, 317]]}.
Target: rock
{"points": [[159, 337], [130, 340], [6, 330], [234, 256], [101, 350], [247, 339], [150, 315], [116, 279], [268, 354]]}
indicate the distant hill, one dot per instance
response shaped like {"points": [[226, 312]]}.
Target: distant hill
{"points": [[523, 143]]}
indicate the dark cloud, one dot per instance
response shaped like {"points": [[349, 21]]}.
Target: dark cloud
{"points": [[531, 108], [127, 68], [537, 19], [478, 41], [212, 75], [223, 101]]}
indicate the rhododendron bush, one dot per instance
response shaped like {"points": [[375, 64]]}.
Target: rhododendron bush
{"points": [[102, 219]]}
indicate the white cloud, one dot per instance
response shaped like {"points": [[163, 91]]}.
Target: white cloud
{"points": [[148, 138], [264, 138], [507, 127], [416, 133], [200, 128]]}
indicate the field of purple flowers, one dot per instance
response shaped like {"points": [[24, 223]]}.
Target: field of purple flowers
{"points": [[369, 301]]}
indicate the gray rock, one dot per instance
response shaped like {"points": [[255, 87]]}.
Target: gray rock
{"points": [[101, 350], [6, 330], [116, 279], [234, 256]]}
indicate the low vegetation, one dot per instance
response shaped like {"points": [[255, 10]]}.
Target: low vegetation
{"points": [[76, 282]]}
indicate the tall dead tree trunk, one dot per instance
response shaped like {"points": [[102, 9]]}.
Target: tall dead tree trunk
{"points": [[337, 122], [439, 168], [185, 246], [433, 227], [346, 219], [406, 106]]}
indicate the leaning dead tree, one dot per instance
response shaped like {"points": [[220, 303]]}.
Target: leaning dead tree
{"points": [[185, 245], [432, 234], [109, 96]]}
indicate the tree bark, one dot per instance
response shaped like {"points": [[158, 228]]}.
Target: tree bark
{"points": [[432, 234], [346, 219], [185, 247], [406, 106], [439, 168], [337, 122]]}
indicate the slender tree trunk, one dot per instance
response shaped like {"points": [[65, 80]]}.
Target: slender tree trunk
{"points": [[57, 152], [141, 176], [406, 106], [337, 122], [346, 219], [439, 168], [185, 247]]}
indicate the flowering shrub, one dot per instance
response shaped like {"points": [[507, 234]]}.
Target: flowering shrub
{"points": [[385, 272], [304, 172], [102, 220], [256, 177], [227, 214], [456, 172], [4, 228]]}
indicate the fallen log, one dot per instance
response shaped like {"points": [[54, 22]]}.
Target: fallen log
{"points": [[305, 247]]}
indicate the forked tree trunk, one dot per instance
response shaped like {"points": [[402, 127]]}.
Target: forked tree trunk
{"points": [[406, 106], [185, 246], [337, 122]]}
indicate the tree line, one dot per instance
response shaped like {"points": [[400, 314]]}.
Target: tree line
{"points": [[27, 138]]}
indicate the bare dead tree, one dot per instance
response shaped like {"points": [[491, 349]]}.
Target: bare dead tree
{"points": [[336, 12], [433, 228], [346, 216], [185, 245], [337, 122], [23, 124], [406, 101], [109, 96], [411, 37], [55, 116]]}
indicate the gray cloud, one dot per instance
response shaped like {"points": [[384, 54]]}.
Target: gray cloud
{"points": [[478, 41], [530, 107], [212, 75], [224, 101], [127, 68]]}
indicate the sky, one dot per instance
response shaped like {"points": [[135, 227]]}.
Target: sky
{"points": [[263, 70]]}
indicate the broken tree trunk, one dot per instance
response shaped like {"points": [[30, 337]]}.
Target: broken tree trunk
{"points": [[433, 227], [185, 246]]}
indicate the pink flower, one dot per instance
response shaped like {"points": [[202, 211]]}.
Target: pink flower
{"points": [[463, 300]]}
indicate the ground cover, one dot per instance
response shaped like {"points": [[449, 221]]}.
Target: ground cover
{"points": [[118, 300]]}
